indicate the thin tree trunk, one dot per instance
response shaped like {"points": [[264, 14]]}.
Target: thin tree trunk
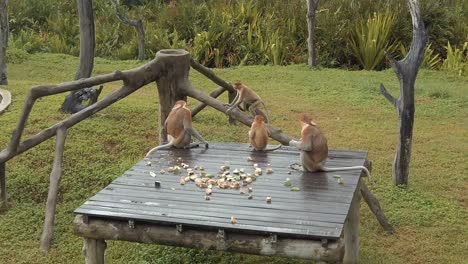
{"points": [[406, 71], [312, 6], [138, 24], [3, 41], [73, 102]]}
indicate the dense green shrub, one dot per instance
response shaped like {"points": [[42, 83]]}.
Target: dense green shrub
{"points": [[16, 56], [232, 32]]}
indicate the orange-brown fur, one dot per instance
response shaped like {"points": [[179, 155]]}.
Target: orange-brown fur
{"points": [[258, 134], [313, 145]]}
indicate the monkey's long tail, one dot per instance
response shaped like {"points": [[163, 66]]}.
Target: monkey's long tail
{"points": [[348, 168], [267, 113], [273, 148]]}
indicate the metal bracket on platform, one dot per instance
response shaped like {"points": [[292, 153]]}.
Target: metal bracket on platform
{"points": [[131, 224], [272, 239], [324, 242], [179, 228], [221, 240]]}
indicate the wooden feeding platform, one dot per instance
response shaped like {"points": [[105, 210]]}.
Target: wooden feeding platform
{"points": [[307, 223]]}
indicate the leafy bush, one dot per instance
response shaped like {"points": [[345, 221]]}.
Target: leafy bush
{"points": [[16, 56], [457, 59], [235, 32], [370, 39]]}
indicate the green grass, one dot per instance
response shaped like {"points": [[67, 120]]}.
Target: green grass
{"points": [[430, 215]]}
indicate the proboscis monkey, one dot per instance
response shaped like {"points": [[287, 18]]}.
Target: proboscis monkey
{"points": [[259, 134], [246, 99], [314, 148], [179, 129]]}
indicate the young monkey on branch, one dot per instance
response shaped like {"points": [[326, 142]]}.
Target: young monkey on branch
{"points": [[247, 99], [259, 134], [179, 129], [314, 148]]}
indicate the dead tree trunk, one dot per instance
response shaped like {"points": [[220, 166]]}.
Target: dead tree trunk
{"points": [[176, 65], [312, 6], [406, 71], [138, 24], [74, 101], [3, 41]]}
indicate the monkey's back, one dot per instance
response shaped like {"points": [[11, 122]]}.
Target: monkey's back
{"points": [[175, 126], [315, 159]]}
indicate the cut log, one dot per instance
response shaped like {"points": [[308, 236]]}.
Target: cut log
{"points": [[351, 230], [173, 79], [100, 229], [55, 176], [93, 250]]}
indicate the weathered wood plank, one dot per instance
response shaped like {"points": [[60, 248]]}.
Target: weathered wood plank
{"points": [[222, 217], [318, 210], [215, 209], [310, 232]]}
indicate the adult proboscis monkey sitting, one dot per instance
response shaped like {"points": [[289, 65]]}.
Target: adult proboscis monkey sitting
{"points": [[179, 129], [314, 148], [258, 135]]}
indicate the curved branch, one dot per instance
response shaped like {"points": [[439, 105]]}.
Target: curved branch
{"points": [[138, 24], [276, 133], [387, 95], [211, 75], [213, 94]]}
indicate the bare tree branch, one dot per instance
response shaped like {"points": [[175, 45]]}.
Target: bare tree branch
{"points": [[211, 75], [137, 24], [387, 95], [213, 94], [55, 175]]}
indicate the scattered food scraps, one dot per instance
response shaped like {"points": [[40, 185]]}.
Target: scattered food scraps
{"points": [[153, 174], [268, 199], [162, 171], [340, 181], [233, 220], [148, 163], [295, 189], [288, 183], [269, 171]]}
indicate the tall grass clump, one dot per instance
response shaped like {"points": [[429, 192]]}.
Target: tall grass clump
{"points": [[457, 59], [370, 39]]}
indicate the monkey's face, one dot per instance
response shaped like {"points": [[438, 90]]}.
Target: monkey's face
{"points": [[237, 85], [258, 118]]}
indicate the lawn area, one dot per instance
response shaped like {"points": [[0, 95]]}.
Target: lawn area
{"points": [[430, 215]]}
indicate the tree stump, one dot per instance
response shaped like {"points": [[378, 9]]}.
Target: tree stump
{"points": [[175, 67]]}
